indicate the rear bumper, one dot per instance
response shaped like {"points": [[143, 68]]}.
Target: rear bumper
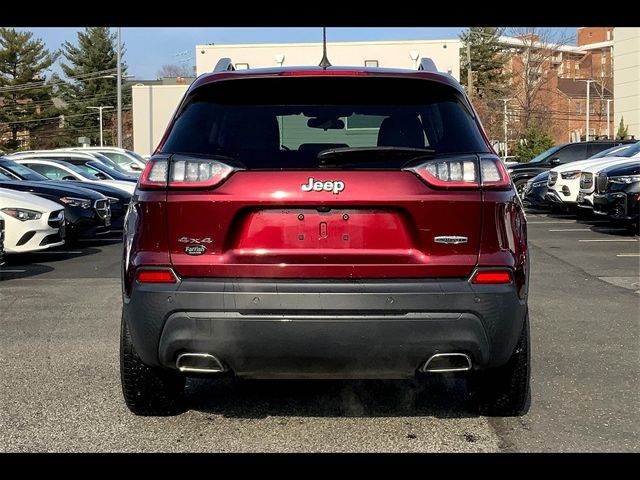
{"points": [[324, 329]]}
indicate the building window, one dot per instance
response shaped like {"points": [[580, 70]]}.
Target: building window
{"points": [[241, 66], [578, 108], [371, 63]]}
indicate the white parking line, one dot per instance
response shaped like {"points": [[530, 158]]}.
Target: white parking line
{"points": [[12, 271], [628, 255], [611, 240], [605, 229], [65, 252], [570, 230]]}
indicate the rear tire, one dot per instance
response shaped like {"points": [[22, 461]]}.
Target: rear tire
{"points": [[505, 391], [148, 390], [521, 185]]}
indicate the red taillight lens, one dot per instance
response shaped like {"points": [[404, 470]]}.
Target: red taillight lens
{"points": [[489, 277], [154, 174], [156, 276], [197, 173], [494, 174]]}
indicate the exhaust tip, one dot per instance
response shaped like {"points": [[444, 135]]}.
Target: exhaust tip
{"points": [[199, 363], [447, 362]]}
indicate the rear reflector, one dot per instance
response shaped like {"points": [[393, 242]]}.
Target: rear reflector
{"points": [[491, 277], [156, 276]]}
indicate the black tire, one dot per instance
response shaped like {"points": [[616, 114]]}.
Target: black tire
{"points": [[148, 390], [505, 391], [521, 185]]}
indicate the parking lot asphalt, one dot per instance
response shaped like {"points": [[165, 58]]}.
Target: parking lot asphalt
{"points": [[60, 387]]}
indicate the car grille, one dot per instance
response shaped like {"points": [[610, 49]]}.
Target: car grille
{"points": [[102, 208], [586, 181], [56, 219], [553, 177], [49, 239], [601, 184]]}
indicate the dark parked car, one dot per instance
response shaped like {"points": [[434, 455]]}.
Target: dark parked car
{"points": [[267, 240], [535, 191], [87, 213], [617, 193], [557, 155], [118, 199]]}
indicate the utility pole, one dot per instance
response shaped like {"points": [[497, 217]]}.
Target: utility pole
{"points": [[100, 109], [608, 119], [505, 100], [119, 82], [589, 82], [469, 73]]}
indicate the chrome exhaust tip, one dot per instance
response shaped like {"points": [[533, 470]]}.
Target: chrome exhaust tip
{"points": [[199, 363], [447, 362]]}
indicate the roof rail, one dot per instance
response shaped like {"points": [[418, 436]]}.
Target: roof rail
{"points": [[223, 65], [427, 65]]}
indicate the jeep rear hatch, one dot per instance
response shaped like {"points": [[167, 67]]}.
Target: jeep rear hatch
{"points": [[330, 177]]}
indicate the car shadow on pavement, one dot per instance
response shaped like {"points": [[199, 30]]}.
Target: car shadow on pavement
{"points": [[443, 396], [25, 265]]}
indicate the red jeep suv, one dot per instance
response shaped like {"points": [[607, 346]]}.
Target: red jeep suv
{"points": [[325, 223]]}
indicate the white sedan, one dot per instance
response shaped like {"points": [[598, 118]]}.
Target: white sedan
{"points": [[564, 180], [61, 170], [31, 223]]}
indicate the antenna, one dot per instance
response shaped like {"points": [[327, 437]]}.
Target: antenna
{"points": [[324, 63]]}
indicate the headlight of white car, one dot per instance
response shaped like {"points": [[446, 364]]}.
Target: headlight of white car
{"points": [[22, 214], [76, 202], [573, 174]]}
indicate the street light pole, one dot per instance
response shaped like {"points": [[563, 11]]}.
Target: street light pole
{"points": [[608, 119], [505, 100], [589, 82], [100, 109], [119, 120]]}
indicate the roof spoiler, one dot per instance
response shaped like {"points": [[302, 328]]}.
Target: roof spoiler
{"points": [[224, 65], [427, 65]]}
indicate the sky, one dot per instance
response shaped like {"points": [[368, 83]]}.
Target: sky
{"points": [[147, 49]]}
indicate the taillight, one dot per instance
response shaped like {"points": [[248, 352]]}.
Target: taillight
{"points": [[494, 174], [197, 173], [156, 276], [154, 174], [491, 277], [449, 173]]}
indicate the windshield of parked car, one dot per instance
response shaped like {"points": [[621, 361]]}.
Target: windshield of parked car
{"points": [[546, 154], [25, 173], [285, 123], [613, 151], [632, 151]]}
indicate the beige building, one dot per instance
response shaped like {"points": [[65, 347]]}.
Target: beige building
{"points": [[153, 105], [392, 54], [626, 78]]}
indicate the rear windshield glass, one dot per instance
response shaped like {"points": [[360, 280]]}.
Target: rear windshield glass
{"points": [[284, 123]]}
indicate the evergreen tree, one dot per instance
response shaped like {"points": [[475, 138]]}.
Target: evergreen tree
{"points": [[91, 68], [623, 130], [25, 97], [488, 60], [535, 141]]}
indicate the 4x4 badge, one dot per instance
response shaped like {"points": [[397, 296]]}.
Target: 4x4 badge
{"points": [[197, 241]]}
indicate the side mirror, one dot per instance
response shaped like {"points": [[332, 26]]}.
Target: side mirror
{"points": [[68, 177], [554, 161], [101, 176], [135, 166]]}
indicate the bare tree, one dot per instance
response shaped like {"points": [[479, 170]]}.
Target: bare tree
{"points": [[534, 68], [175, 71]]}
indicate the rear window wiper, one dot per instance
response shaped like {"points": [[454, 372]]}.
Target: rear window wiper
{"points": [[355, 155]]}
